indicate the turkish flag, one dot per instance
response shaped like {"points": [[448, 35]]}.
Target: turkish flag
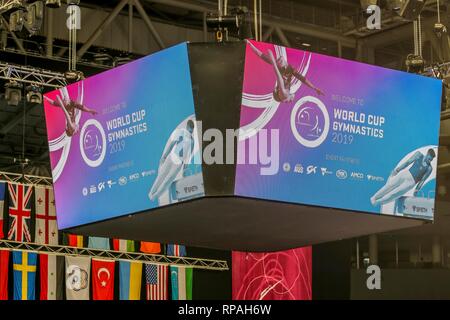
{"points": [[102, 279], [4, 264]]}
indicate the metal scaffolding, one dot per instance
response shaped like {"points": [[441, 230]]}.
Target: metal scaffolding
{"points": [[25, 179], [6, 5], [197, 263], [29, 75]]}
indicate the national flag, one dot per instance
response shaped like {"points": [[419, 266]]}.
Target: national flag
{"points": [[130, 280], [51, 271], [103, 279], [123, 245], [19, 212], [150, 247], [156, 281], [4, 264], [181, 278], [24, 272], [77, 277], [98, 243], [46, 227], [2, 206], [74, 240], [176, 250]]}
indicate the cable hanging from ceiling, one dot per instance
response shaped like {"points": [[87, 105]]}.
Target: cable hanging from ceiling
{"points": [[257, 19]]}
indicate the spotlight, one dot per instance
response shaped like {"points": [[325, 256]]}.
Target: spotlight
{"points": [[13, 93], [237, 23], [34, 17], [73, 76], [121, 59], [54, 4], [414, 63], [439, 29], [34, 94], [16, 21]]}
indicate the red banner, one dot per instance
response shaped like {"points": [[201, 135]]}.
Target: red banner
{"points": [[283, 275]]}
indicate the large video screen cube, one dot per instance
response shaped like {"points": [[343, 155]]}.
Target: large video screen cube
{"points": [[244, 146]]}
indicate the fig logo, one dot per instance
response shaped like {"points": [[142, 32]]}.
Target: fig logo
{"points": [[93, 143], [310, 122], [341, 174]]}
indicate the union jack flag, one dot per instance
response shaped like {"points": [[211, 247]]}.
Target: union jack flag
{"points": [[156, 281], [19, 212]]}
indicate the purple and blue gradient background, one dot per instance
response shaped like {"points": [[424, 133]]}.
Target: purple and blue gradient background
{"points": [[410, 104], [161, 85]]}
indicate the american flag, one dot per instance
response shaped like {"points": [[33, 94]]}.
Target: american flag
{"points": [[19, 212], [156, 281]]}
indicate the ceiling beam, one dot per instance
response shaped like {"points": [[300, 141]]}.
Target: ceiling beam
{"points": [[16, 119], [395, 35], [270, 21], [103, 25]]}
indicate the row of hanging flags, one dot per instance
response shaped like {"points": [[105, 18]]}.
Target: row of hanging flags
{"points": [[20, 215], [77, 277], [86, 278]]}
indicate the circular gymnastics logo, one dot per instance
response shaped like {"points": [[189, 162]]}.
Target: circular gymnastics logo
{"points": [[310, 122], [93, 143]]}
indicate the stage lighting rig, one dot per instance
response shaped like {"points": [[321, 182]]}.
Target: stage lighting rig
{"points": [[29, 16], [122, 59], [8, 5], [34, 17], [439, 29], [54, 4], [34, 94], [236, 23], [73, 76], [409, 9], [414, 63], [13, 93], [16, 20]]}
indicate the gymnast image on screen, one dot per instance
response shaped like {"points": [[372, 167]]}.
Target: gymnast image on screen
{"points": [[403, 179], [285, 74], [174, 160], [71, 108]]}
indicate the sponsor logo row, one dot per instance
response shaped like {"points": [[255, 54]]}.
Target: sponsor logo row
{"points": [[109, 184], [323, 171]]}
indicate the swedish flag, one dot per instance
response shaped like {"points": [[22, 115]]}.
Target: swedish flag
{"points": [[24, 268]]}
